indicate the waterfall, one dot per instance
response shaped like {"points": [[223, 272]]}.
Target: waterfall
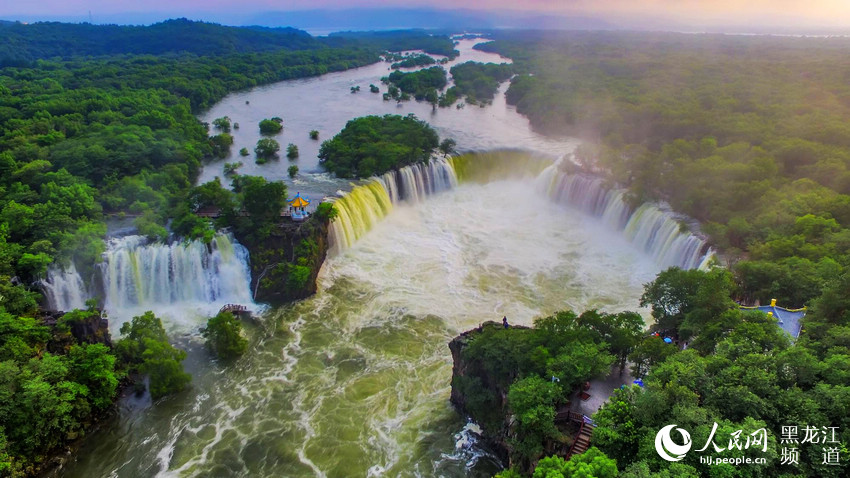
{"points": [[414, 183], [652, 227], [367, 204], [139, 276], [357, 212], [64, 289]]}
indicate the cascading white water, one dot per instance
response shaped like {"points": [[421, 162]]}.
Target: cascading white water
{"points": [[363, 207], [660, 234], [139, 276], [414, 183], [64, 289], [652, 227]]}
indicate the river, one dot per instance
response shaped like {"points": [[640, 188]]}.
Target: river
{"points": [[325, 104], [355, 381]]}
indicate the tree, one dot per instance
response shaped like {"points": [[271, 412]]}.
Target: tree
{"points": [[266, 148], [224, 336], [145, 349], [263, 200], [447, 146], [650, 351], [230, 168], [293, 171], [683, 302], [590, 464], [622, 332], [243, 152], [618, 430], [94, 366], [314, 134], [222, 123], [326, 211], [291, 151], [533, 401], [221, 144], [270, 126], [373, 145]]}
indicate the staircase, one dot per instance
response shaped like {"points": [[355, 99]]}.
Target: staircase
{"points": [[582, 441]]}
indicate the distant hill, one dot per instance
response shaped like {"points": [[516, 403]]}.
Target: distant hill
{"points": [[394, 40], [325, 21], [22, 43]]}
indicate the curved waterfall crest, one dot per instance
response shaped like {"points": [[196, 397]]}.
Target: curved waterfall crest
{"points": [[654, 228], [136, 274], [367, 204]]}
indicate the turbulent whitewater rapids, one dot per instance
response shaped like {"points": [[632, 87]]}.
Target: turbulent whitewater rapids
{"points": [[355, 380]]}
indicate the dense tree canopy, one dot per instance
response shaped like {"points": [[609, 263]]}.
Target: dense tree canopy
{"points": [[421, 84], [373, 145], [412, 61], [741, 371], [51, 386], [539, 368], [99, 120], [478, 82], [746, 134], [21, 43]]}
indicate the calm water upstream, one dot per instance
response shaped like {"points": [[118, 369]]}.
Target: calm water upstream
{"points": [[355, 381], [325, 104]]}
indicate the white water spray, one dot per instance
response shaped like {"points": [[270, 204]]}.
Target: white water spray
{"points": [[139, 276], [64, 289], [652, 228]]}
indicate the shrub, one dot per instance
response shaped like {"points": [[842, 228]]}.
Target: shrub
{"points": [[224, 336], [269, 126]]}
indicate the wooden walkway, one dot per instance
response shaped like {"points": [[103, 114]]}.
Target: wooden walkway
{"points": [[585, 431]]}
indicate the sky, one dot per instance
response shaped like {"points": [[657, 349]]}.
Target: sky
{"points": [[788, 13]]}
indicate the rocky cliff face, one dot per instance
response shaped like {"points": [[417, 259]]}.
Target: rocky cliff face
{"points": [[478, 396], [86, 328], [481, 394], [284, 266]]}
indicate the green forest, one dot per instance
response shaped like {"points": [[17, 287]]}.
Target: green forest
{"points": [[478, 82], [373, 145], [740, 371], [98, 121], [747, 135]]}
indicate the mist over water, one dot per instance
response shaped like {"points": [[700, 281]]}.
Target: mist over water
{"points": [[355, 380]]}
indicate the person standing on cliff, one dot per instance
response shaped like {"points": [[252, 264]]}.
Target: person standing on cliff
{"points": [[505, 321]]}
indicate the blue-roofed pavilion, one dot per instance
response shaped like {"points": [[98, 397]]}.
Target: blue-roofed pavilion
{"points": [[789, 319]]}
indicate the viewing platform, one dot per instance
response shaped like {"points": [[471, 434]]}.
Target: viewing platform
{"points": [[296, 211], [238, 310]]}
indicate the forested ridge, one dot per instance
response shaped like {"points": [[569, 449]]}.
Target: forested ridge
{"points": [[93, 133], [746, 134], [21, 44], [740, 371], [749, 135]]}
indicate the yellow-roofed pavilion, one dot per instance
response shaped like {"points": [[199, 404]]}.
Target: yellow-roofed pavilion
{"points": [[298, 207]]}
